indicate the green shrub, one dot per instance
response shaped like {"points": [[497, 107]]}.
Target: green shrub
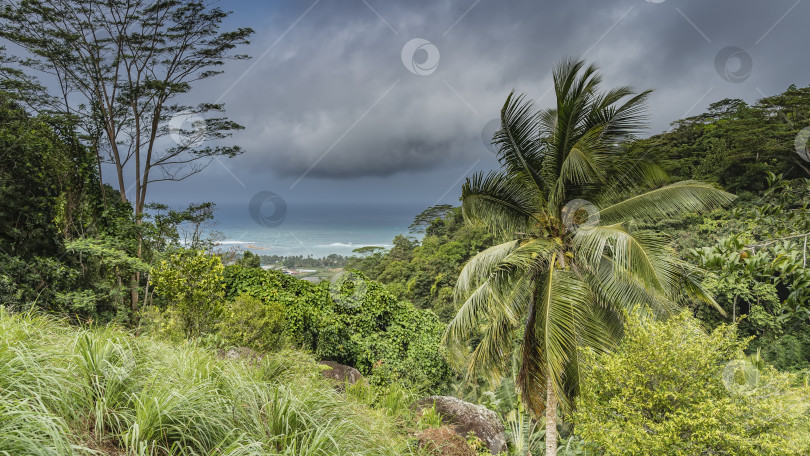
{"points": [[164, 324], [358, 323], [670, 388], [192, 282], [249, 322]]}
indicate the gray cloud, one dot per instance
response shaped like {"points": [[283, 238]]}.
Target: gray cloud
{"points": [[332, 98]]}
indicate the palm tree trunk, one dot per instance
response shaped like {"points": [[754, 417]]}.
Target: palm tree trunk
{"points": [[551, 420]]}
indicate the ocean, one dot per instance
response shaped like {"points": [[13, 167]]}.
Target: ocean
{"points": [[314, 229]]}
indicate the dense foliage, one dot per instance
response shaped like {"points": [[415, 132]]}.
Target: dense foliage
{"points": [[68, 244], [671, 388], [63, 245], [356, 322], [192, 282], [735, 144], [250, 322]]}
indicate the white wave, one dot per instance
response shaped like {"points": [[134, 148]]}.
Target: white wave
{"points": [[350, 244]]}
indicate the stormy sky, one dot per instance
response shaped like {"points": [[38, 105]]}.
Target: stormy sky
{"points": [[374, 100]]}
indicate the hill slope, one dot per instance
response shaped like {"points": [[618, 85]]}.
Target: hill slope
{"points": [[71, 391]]}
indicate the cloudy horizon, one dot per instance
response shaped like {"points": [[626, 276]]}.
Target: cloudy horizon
{"points": [[372, 101]]}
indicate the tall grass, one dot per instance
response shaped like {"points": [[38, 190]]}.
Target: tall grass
{"points": [[81, 391]]}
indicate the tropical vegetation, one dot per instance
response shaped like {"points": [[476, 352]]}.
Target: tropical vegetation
{"points": [[604, 293], [569, 260]]}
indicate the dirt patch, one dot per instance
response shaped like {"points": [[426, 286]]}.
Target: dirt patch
{"points": [[443, 441], [104, 445]]}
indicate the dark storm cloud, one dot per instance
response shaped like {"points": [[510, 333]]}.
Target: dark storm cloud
{"points": [[332, 98]]}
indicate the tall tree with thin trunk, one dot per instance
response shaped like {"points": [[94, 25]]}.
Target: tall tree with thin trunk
{"points": [[571, 262], [119, 67]]}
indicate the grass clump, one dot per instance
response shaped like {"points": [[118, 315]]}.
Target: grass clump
{"points": [[81, 391]]}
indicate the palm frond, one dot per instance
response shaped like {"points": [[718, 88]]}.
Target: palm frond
{"points": [[479, 268], [518, 147], [531, 378], [584, 162], [692, 284], [619, 122], [667, 201], [500, 202], [618, 291], [491, 355]]}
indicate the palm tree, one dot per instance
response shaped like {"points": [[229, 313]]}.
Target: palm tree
{"points": [[566, 272]]}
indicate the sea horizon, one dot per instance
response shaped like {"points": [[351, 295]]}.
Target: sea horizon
{"points": [[314, 229]]}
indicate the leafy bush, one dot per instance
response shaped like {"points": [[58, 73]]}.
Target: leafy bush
{"points": [[192, 282], [357, 323], [163, 324], [249, 322], [670, 388]]}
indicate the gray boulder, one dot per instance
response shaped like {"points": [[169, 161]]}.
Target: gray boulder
{"points": [[464, 418], [341, 373]]}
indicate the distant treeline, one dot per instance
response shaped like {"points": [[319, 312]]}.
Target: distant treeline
{"points": [[299, 261]]}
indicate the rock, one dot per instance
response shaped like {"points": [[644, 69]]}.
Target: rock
{"points": [[341, 374], [465, 418], [443, 441]]}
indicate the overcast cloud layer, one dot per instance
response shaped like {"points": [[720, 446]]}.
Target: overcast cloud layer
{"points": [[333, 113]]}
